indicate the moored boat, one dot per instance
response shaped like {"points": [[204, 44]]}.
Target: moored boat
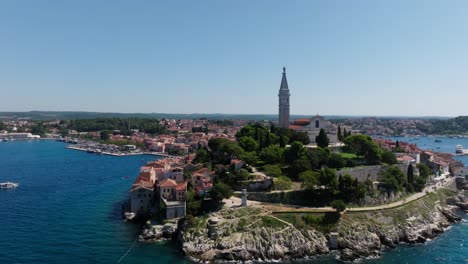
{"points": [[459, 150], [8, 185]]}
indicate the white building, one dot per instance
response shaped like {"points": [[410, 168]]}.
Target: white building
{"points": [[312, 127]]}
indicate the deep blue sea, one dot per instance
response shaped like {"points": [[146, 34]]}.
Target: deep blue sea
{"points": [[67, 210]]}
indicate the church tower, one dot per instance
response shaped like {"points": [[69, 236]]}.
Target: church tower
{"points": [[284, 102]]}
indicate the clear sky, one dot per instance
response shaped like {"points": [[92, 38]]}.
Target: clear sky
{"points": [[341, 57]]}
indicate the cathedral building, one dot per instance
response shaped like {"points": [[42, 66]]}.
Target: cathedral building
{"points": [[311, 125]]}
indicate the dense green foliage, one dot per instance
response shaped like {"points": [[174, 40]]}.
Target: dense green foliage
{"points": [[365, 146], [282, 183], [394, 179], [457, 125], [338, 205], [147, 125], [322, 139], [220, 191]]}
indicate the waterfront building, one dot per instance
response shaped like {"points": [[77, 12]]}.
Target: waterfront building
{"points": [[283, 97], [18, 136], [202, 181], [142, 191]]}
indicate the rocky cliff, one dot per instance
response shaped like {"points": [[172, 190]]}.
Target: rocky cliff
{"points": [[254, 234]]}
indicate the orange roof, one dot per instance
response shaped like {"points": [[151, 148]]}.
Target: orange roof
{"points": [[168, 183], [142, 184], [295, 127], [181, 186], [301, 121]]}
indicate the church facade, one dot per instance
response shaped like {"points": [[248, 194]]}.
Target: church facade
{"points": [[311, 125]]}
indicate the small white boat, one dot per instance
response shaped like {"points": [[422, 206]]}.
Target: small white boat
{"points": [[459, 150], [129, 215], [8, 185]]}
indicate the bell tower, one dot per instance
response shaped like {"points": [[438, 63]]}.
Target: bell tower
{"points": [[283, 97]]}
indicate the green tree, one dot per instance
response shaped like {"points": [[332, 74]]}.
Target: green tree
{"points": [[394, 179], [322, 139], [246, 131], [104, 135], [300, 165], [363, 145], [309, 179], [272, 154], [338, 205], [299, 136], [388, 157], [339, 135], [327, 178], [424, 170], [220, 191], [282, 183], [272, 170], [283, 140], [318, 157], [410, 174], [248, 143], [335, 161], [249, 157], [294, 152], [202, 156]]}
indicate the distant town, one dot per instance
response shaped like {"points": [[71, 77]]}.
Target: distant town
{"points": [[291, 173]]}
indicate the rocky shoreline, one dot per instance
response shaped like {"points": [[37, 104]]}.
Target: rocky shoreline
{"points": [[252, 234]]}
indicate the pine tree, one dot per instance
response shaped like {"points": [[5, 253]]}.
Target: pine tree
{"points": [[322, 139], [410, 174], [340, 137]]}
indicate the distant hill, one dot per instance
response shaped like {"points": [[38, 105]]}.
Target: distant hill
{"points": [[66, 115]]}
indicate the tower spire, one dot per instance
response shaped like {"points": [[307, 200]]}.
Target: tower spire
{"points": [[284, 81], [283, 97]]}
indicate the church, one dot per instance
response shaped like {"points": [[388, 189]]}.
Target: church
{"points": [[310, 125]]}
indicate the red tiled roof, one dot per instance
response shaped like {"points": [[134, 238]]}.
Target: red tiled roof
{"points": [[181, 186], [405, 158], [168, 183], [295, 127]]}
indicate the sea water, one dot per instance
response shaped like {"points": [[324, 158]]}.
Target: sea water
{"points": [[67, 209]]}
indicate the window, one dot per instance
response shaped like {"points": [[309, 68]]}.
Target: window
{"points": [[317, 124], [139, 195], [141, 201]]}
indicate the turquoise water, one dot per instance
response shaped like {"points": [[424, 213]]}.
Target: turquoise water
{"points": [[67, 210], [67, 207]]}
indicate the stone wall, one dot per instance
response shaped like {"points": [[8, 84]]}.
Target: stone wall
{"points": [[372, 173]]}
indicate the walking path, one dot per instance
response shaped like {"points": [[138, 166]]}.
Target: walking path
{"points": [[273, 207]]}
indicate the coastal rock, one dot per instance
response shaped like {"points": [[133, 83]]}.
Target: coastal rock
{"points": [[154, 233], [247, 234], [256, 237]]}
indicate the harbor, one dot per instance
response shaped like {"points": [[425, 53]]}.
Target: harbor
{"points": [[112, 150]]}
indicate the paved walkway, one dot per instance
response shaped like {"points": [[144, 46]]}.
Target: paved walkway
{"points": [[273, 207]]}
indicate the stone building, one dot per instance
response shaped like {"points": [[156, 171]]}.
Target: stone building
{"points": [[283, 96], [313, 125]]}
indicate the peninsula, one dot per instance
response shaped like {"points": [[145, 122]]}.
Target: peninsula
{"points": [[296, 190]]}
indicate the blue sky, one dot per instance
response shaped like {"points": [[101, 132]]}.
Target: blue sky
{"points": [[342, 57]]}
